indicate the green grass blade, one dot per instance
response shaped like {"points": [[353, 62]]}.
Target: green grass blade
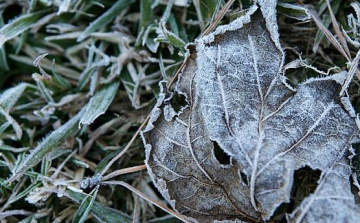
{"points": [[326, 22], [3, 60], [25, 192], [46, 146], [9, 97], [85, 207], [19, 25], [99, 103], [293, 11], [105, 18], [146, 13], [101, 213]]}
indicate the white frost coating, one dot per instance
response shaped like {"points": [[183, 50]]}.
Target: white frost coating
{"points": [[268, 9], [338, 78], [156, 112], [238, 99]]}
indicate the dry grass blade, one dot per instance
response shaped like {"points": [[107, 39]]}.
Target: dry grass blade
{"points": [[198, 13], [353, 69], [113, 160], [337, 30], [331, 38], [218, 18], [14, 212], [124, 171], [147, 198], [181, 68]]}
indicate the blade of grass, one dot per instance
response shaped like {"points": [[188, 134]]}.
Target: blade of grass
{"points": [[99, 103], [19, 25], [85, 207], [105, 18], [48, 65], [24, 192], [13, 212], [124, 171], [101, 213], [13, 122], [172, 37], [337, 30], [218, 17], [329, 35], [113, 160], [198, 13], [320, 34], [9, 97], [331, 38], [3, 61], [293, 11], [146, 13], [351, 73], [46, 146], [147, 198]]}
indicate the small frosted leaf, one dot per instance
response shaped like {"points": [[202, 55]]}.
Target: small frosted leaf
{"points": [[237, 98]]}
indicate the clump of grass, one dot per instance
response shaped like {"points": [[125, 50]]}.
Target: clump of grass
{"points": [[79, 79]]}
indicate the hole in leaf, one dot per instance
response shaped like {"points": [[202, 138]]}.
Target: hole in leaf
{"points": [[178, 102], [354, 190], [244, 178], [305, 183], [356, 160], [220, 155]]}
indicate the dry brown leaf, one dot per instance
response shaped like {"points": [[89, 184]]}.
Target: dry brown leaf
{"points": [[238, 100]]}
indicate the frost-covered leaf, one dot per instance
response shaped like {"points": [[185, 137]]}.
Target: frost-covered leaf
{"points": [[332, 201], [238, 100]]}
